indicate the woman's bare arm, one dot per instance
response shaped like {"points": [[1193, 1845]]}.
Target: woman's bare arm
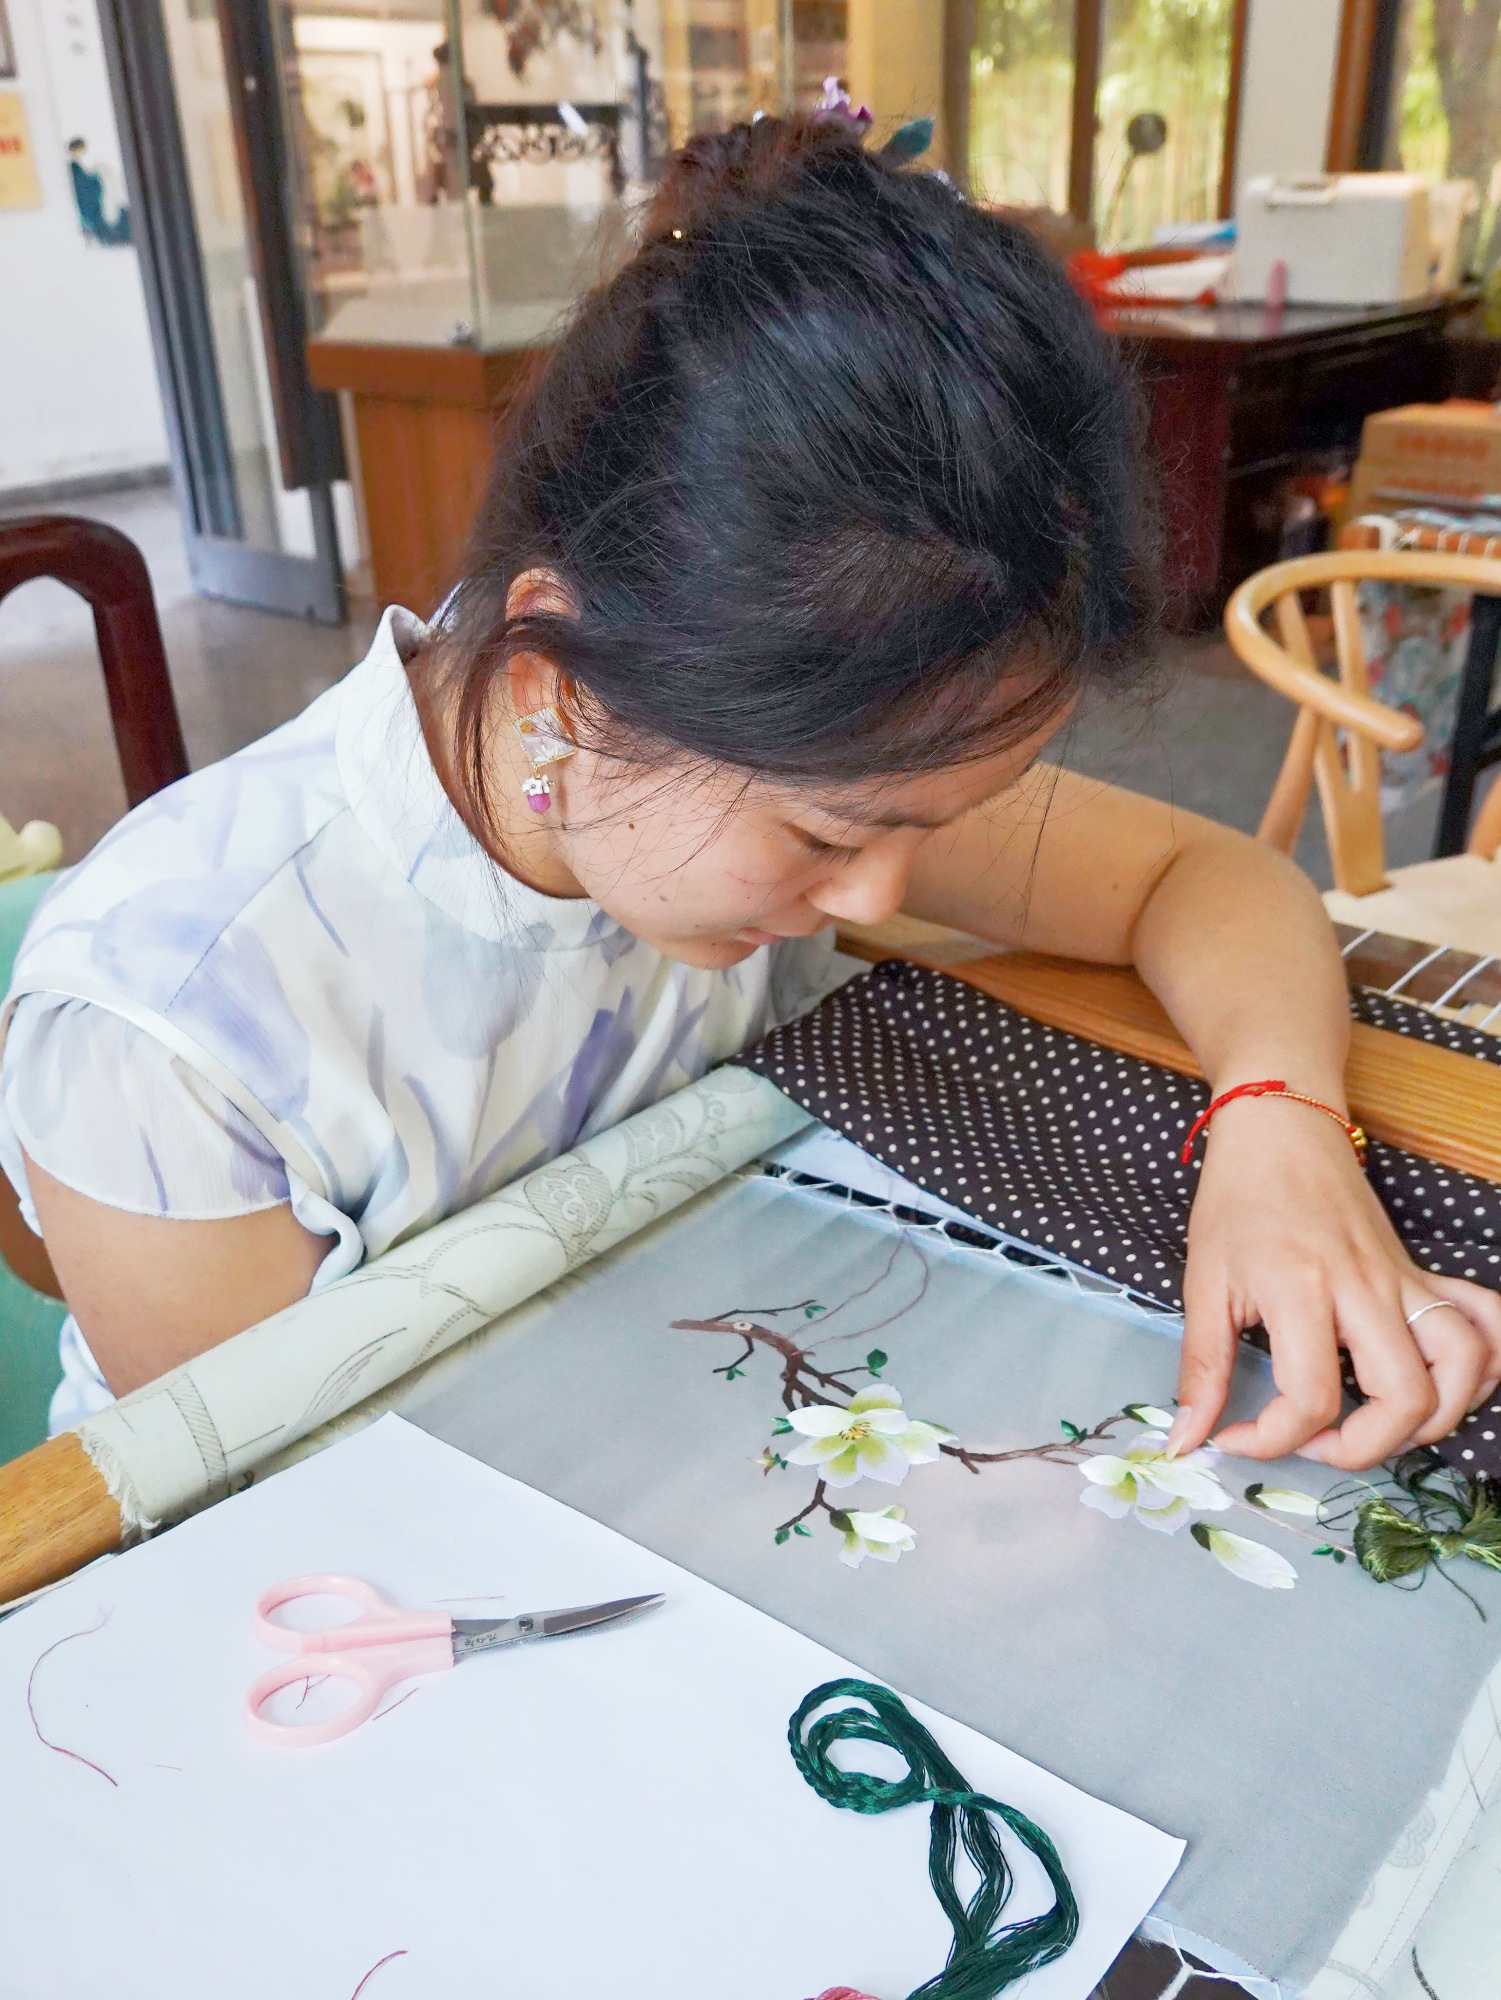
{"points": [[149, 1292], [1285, 1228]]}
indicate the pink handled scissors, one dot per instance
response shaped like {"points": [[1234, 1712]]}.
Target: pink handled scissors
{"points": [[385, 1644]]}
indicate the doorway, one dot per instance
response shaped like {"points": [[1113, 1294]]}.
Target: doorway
{"points": [[256, 453]]}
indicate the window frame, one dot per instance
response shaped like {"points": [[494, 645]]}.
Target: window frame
{"points": [[1089, 26]]}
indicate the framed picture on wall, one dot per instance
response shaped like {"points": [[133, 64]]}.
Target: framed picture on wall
{"points": [[7, 45]]}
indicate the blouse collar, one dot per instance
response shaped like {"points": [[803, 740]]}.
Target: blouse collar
{"points": [[395, 795]]}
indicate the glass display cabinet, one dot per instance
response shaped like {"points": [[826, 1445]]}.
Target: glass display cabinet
{"points": [[462, 171], [464, 168]]}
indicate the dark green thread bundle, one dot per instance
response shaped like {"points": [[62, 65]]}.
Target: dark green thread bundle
{"points": [[1426, 1515], [987, 1955]]}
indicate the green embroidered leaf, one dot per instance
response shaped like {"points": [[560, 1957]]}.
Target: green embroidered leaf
{"points": [[1338, 1555], [812, 1312], [1200, 1533], [782, 1534], [1072, 1432], [876, 1360], [799, 1528], [1253, 1499], [840, 1519], [733, 1374], [1323, 1549]]}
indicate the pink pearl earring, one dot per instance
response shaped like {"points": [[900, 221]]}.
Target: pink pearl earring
{"points": [[544, 741]]}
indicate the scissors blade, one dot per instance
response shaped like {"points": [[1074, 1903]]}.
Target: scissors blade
{"points": [[484, 1635], [585, 1617]]}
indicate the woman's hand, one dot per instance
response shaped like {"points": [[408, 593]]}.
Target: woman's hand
{"points": [[1287, 1230]]}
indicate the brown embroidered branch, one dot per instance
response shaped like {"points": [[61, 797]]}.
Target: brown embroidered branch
{"points": [[818, 1504], [803, 1384], [61, 1748]]}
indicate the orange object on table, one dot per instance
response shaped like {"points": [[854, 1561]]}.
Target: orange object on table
{"points": [[1428, 454]]}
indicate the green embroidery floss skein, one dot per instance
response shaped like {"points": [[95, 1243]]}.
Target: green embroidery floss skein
{"points": [[987, 1955]]}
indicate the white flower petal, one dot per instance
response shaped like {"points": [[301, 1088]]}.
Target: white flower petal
{"points": [[889, 1525], [879, 1396], [820, 1421], [1287, 1500], [1166, 1520], [1151, 1444], [1105, 1469], [1107, 1500], [1148, 1413], [885, 1423], [1251, 1561], [881, 1460]]}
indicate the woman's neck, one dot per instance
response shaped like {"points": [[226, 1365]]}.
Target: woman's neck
{"points": [[522, 842]]}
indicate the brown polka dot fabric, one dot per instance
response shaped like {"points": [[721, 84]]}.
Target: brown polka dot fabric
{"points": [[1074, 1147]]}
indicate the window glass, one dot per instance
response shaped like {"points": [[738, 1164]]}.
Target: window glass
{"points": [[1021, 102], [1444, 114], [1164, 92]]}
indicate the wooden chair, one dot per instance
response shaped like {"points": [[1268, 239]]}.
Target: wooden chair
{"points": [[108, 572], [1337, 739]]}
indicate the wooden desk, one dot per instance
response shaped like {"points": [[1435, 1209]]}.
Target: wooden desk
{"points": [[1240, 399], [424, 422]]}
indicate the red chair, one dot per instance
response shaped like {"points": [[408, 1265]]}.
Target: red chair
{"points": [[108, 572]]}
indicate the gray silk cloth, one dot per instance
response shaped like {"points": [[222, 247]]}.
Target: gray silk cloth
{"points": [[1290, 1735]]}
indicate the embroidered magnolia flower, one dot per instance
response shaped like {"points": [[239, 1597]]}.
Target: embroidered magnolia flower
{"points": [[1162, 1492], [1251, 1561], [873, 1438], [883, 1535]]}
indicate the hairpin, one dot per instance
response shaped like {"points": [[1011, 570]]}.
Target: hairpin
{"points": [[835, 103]]}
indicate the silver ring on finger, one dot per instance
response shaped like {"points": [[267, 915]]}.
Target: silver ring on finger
{"points": [[1433, 1306]]}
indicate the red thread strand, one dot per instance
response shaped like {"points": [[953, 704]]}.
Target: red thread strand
{"points": [[61, 1748], [402, 1953]]}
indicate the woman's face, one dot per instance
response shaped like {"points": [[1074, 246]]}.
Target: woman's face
{"points": [[707, 864], [710, 865]]}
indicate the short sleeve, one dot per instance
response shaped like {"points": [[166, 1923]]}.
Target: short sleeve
{"points": [[105, 1108]]}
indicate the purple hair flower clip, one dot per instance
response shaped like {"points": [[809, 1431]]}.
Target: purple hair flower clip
{"points": [[835, 103]]}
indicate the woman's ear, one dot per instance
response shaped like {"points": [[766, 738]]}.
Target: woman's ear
{"points": [[534, 680]]}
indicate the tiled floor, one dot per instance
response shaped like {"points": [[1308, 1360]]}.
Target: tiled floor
{"points": [[1208, 735]]}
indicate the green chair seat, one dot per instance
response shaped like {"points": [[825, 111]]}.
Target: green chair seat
{"points": [[29, 1321]]}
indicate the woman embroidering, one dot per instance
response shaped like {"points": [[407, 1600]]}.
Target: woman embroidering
{"points": [[805, 542]]}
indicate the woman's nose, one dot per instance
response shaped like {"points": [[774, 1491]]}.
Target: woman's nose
{"points": [[869, 888]]}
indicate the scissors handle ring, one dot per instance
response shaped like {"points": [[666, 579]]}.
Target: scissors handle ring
{"points": [[371, 1673], [380, 1623]]}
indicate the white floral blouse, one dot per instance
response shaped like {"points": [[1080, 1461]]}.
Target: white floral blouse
{"points": [[295, 977]]}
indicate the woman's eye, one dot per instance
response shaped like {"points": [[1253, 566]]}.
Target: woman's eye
{"points": [[822, 849]]}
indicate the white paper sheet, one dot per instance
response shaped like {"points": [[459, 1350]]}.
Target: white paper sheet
{"points": [[613, 1815]]}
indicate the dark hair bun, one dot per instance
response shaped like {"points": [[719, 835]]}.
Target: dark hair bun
{"points": [[717, 173], [836, 457]]}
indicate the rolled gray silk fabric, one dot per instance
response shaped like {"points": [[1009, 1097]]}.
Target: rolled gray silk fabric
{"points": [[190, 1437]]}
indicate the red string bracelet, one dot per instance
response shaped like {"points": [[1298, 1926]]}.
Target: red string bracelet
{"points": [[1273, 1087]]}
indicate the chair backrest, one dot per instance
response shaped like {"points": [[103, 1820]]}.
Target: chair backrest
{"points": [[107, 570], [1340, 730]]}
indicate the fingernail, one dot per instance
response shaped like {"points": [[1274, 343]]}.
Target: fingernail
{"points": [[1182, 1424]]}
